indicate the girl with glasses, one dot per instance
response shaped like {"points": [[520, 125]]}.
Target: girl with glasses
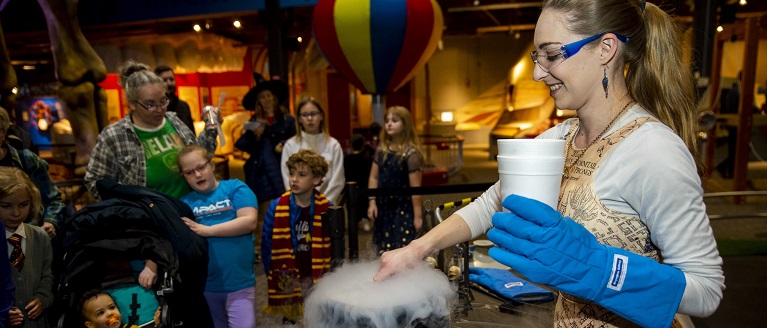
{"points": [[226, 213], [629, 242], [312, 134]]}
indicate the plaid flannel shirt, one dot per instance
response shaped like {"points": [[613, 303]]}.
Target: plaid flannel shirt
{"points": [[36, 169], [119, 155]]}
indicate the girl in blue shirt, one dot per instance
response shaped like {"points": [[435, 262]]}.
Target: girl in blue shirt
{"points": [[226, 213]]}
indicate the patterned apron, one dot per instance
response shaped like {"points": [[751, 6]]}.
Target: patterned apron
{"points": [[578, 201]]}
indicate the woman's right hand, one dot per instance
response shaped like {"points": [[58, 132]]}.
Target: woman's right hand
{"points": [[372, 210], [400, 259]]}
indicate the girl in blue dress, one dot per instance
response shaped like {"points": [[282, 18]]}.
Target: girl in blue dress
{"points": [[397, 164]]}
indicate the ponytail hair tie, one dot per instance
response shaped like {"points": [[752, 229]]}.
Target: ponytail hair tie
{"points": [[644, 3]]}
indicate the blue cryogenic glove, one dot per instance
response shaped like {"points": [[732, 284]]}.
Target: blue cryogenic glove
{"points": [[509, 285], [548, 249]]}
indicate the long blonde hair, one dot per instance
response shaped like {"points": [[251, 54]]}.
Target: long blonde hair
{"points": [[656, 75], [408, 136], [14, 180]]}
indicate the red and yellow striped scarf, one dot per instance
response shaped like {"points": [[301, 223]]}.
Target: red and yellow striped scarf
{"points": [[284, 279]]}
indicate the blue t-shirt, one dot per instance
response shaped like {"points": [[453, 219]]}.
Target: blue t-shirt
{"points": [[230, 264]]}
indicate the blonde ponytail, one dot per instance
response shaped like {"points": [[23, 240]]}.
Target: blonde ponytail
{"points": [[661, 82]]}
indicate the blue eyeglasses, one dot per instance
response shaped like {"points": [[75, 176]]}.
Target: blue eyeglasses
{"points": [[566, 51]]}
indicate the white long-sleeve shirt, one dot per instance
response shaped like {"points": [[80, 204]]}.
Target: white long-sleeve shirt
{"points": [[650, 174], [327, 147]]}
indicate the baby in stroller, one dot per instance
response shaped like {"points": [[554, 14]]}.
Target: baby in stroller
{"points": [[98, 310], [133, 224]]}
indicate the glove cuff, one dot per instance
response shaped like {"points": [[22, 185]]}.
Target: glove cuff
{"points": [[640, 289]]}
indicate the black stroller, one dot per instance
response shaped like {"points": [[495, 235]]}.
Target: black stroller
{"points": [[132, 223]]}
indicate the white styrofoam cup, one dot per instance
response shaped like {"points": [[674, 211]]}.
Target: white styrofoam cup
{"points": [[531, 148], [531, 168]]}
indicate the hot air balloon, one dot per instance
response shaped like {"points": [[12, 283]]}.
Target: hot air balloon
{"points": [[378, 45]]}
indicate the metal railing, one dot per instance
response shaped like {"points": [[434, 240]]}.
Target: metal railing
{"points": [[738, 197]]}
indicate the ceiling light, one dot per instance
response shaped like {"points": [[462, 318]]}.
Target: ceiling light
{"points": [[300, 39], [743, 2], [208, 25], [237, 24], [719, 28], [28, 67], [476, 2], [197, 28], [15, 90]]}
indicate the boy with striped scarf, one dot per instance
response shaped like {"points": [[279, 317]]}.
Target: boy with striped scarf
{"points": [[295, 248]]}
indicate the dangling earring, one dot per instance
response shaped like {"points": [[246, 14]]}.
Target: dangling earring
{"points": [[605, 81]]}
